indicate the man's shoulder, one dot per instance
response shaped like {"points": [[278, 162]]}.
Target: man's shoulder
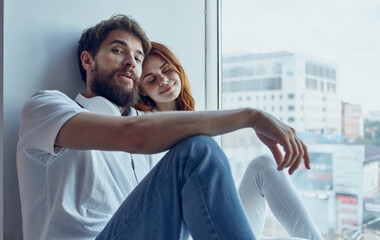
{"points": [[48, 93], [48, 96], [48, 100]]}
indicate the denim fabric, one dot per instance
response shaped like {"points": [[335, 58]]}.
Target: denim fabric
{"points": [[190, 190]]}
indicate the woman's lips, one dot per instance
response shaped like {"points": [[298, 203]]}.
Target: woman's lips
{"points": [[168, 89]]}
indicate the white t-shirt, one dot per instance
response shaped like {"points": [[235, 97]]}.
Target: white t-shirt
{"points": [[69, 194]]}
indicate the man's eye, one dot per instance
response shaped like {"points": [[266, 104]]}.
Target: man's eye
{"points": [[138, 60], [118, 51]]}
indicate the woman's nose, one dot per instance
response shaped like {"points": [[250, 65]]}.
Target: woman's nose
{"points": [[164, 81]]}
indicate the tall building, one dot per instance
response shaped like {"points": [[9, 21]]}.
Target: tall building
{"points": [[352, 121], [299, 90]]}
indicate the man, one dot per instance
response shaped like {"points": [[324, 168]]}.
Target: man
{"points": [[81, 167]]}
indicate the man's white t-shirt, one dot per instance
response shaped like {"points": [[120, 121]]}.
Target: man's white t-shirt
{"points": [[69, 194]]}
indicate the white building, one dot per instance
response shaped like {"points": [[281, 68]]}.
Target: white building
{"points": [[301, 91]]}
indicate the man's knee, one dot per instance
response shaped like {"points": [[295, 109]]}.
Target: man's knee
{"points": [[200, 148], [197, 144], [195, 140]]}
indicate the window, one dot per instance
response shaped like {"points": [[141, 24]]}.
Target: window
{"points": [[342, 190], [311, 84], [320, 71], [252, 85], [331, 87]]}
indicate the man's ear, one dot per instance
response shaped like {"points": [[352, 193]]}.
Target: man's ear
{"points": [[87, 61]]}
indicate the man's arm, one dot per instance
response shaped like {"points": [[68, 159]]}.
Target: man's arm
{"points": [[157, 132]]}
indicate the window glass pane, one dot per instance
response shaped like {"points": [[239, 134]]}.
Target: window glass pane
{"points": [[315, 66]]}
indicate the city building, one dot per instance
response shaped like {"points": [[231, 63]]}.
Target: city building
{"points": [[342, 188], [352, 121], [342, 185], [299, 90]]}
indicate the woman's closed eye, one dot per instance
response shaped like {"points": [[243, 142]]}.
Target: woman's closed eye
{"points": [[151, 80], [167, 69]]}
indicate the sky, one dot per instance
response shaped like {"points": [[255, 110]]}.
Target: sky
{"points": [[345, 32]]}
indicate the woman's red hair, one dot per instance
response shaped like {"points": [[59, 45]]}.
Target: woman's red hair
{"points": [[185, 101]]}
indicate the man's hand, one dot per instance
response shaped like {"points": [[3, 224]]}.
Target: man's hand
{"points": [[273, 132]]}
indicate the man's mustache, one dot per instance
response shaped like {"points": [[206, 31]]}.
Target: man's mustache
{"points": [[128, 71]]}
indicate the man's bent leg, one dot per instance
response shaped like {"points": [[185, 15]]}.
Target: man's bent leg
{"points": [[190, 189]]}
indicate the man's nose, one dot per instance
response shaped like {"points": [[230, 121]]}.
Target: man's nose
{"points": [[129, 61]]}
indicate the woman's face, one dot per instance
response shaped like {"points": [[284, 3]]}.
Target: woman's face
{"points": [[159, 81]]}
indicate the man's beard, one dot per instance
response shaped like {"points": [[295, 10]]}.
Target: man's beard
{"points": [[105, 85]]}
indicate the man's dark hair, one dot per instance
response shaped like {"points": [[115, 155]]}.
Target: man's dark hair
{"points": [[93, 37]]}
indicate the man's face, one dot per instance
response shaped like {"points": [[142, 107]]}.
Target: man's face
{"points": [[117, 68]]}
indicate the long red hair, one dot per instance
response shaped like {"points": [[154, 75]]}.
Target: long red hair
{"points": [[185, 100]]}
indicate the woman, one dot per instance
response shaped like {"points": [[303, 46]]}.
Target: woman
{"points": [[164, 86]]}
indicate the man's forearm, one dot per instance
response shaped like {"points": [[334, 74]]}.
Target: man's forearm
{"points": [[148, 133], [157, 132], [163, 130]]}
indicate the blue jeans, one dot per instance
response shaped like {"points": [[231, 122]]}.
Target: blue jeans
{"points": [[190, 190]]}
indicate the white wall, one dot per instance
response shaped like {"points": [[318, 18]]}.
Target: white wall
{"points": [[40, 39]]}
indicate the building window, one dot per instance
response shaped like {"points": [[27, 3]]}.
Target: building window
{"points": [[331, 87], [291, 96], [291, 108], [252, 85], [320, 71], [311, 84]]}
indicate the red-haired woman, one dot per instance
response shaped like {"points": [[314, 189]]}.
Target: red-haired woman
{"points": [[164, 86]]}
